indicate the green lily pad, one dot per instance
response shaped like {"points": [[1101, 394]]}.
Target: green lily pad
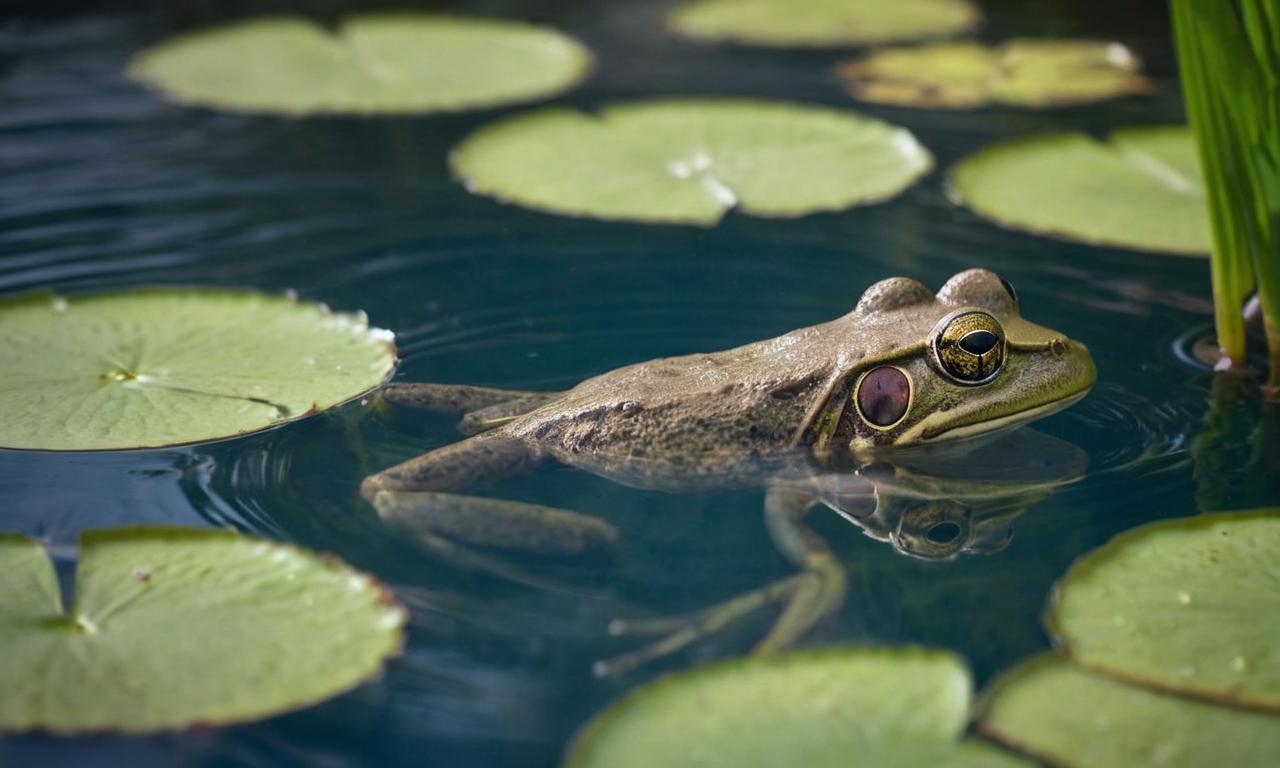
{"points": [[168, 366], [173, 627], [1027, 73], [884, 707], [689, 161], [1139, 189], [378, 63], [1187, 605], [822, 22], [1070, 718]]}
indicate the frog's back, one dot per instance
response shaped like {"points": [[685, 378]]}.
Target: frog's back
{"points": [[688, 409]]}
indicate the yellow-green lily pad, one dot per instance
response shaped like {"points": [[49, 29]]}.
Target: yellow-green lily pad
{"points": [[160, 367], [1188, 605], [366, 64], [688, 161], [1067, 717], [1140, 189], [171, 627], [883, 707], [1026, 73], [822, 22]]}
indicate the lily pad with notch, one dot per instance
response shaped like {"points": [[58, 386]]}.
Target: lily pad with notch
{"points": [[900, 707], [1020, 72], [1186, 605], [170, 628], [817, 23], [155, 367], [1139, 189], [689, 161], [1068, 717], [392, 63]]}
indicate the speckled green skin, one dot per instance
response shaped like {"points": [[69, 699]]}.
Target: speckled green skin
{"points": [[712, 419]]}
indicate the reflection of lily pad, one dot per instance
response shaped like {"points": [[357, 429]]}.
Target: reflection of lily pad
{"points": [[852, 706], [1139, 189], [1070, 718], [391, 63], [689, 161], [160, 367], [822, 22], [1189, 605], [1029, 73], [172, 627]]}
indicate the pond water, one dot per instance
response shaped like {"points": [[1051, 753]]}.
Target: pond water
{"points": [[103, 186]]}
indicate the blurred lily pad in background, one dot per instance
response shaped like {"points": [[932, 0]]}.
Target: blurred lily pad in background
{"points": [[690, 161], [1140, 189], [172, 627], [1188, 605], [367, 64], [822, 22], [1027, 73], [1067, 717], [147, 368], [884, 707]]}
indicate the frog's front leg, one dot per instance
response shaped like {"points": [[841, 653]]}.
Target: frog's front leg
{"points": [[421, 496], [809, 596]]}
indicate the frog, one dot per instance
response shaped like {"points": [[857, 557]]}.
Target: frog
{"points": [[907, 376]]}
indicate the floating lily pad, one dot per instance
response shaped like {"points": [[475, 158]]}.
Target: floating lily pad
{"points": [[162, 367], [842, 707], [822, 22], [1070, 718], [172, 627], [380, 63], [690, 161], [1139, 189], [1188, 605], [1027, 73]]}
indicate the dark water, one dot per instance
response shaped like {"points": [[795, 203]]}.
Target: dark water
{"points": [[104, 186]]}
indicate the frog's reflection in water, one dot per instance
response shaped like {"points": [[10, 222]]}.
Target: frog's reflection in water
{"points": [[935, 503]]}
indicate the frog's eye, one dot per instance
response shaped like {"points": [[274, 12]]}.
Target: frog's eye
{"points": [[969, 347], [883, 396]]}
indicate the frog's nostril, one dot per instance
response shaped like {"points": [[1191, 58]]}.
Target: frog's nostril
{"points": [[1058, 347]]}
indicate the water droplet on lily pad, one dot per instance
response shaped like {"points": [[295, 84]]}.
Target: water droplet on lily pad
{"points": [[819, 709], [399, 63], [688, 161], [1068, 717], [822, 22], [160, 367], [1197, 647], [1141, 188], [213, 634], [965, 75]]}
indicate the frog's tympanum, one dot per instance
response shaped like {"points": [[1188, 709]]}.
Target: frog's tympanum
{"points": [[871, 406]]}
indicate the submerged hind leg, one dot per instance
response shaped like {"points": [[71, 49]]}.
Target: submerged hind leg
{"points": [[807, 597], [456, 399], [420, 496]]}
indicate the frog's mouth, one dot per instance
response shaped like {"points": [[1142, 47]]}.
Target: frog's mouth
{"points": [[924, 433]]}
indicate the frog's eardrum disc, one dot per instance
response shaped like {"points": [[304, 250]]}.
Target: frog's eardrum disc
{"points": [[158, 367], [395, 63]]}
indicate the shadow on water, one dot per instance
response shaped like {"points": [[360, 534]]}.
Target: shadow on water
{"points": [[104, 186]]}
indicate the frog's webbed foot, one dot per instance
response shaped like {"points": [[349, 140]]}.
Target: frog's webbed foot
{"points": [[808, 597], [481, 408]]}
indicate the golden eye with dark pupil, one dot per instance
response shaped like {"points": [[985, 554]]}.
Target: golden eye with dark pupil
{"points": [[883, 396], [970, 347]]}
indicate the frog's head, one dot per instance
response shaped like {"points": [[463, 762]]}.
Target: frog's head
{"points": [[922, 369]]}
